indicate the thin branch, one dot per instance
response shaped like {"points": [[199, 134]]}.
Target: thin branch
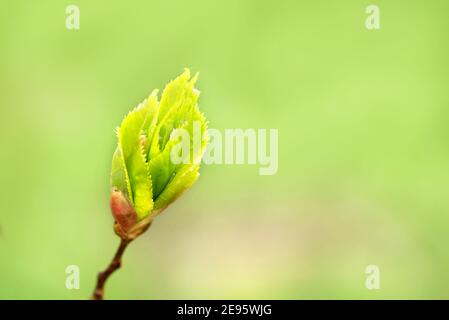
{"points": [[114, 265]]}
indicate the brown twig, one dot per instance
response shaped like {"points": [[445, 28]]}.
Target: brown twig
{"points": [[114, 265]]}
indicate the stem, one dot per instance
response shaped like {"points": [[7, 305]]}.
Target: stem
{"points": [[114, 265]]}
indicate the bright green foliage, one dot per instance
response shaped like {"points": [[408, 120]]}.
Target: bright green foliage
{"points": [[142, 168]]}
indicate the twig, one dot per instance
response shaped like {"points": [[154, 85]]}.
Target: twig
{"points": [[114, 265]]}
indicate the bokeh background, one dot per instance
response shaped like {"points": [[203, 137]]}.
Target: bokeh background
{"points": [[363, 148]]}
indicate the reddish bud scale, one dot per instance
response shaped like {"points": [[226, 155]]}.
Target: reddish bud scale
{"points": [[122, 210]]}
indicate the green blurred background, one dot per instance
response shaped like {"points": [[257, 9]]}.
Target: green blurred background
{"points": [[363, 148]]}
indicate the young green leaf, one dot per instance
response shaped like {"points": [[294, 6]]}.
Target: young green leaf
{"points": [[183, 180], [135, 160]]}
